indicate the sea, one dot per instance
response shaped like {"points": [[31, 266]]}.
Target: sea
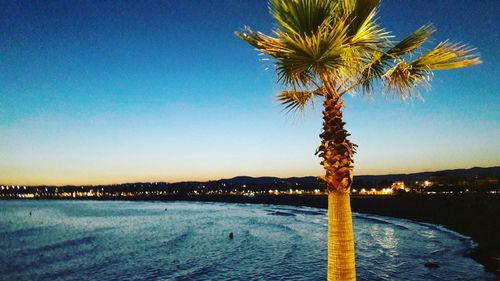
{"points": [[148, 240]]}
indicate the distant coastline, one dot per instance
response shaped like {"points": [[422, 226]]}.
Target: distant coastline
{"points": [[458, 181]]}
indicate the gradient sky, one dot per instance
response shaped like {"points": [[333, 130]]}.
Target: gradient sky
{"points": [[120, 91]]}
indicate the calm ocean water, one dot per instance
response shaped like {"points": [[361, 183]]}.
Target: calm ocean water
{"points": [[120, 240]]}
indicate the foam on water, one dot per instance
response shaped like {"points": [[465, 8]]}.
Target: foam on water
{"points": [[122, 240]]}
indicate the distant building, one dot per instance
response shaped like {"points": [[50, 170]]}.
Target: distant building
{"points": [[397, 185], [373, 191]]}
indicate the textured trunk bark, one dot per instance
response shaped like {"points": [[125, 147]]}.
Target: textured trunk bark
{"points": [[341, 262], [337, 153]]}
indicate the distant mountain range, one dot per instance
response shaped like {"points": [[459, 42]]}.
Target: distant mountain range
{"points": [[466, 174], [474, 175]]}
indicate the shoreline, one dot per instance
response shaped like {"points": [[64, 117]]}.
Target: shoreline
{"points": [[473, 215]]}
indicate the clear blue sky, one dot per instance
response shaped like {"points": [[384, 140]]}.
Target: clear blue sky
{"points": [[118, 91]]}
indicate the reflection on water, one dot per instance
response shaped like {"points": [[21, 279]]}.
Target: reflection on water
{"points": [[115, 240], [389, 241]]}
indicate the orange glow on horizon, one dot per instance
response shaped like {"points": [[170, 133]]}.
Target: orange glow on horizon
{"points": [[71, 177]]}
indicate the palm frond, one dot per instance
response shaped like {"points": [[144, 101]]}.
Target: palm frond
{"points": [[381, 61], [410, 43], [359, 13], [366, 40], [292, 59], [371, 72], [446, 55], [320, 51], [404, 80], [262, 42], [295, 99], [300, 17], [287, 76], [370, 36], [365, 45], [299, 56]]}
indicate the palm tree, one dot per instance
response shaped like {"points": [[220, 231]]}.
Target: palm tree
{"points": [[324, 48]]}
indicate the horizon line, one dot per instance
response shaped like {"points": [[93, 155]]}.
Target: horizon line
{"points": [[254, 177]]}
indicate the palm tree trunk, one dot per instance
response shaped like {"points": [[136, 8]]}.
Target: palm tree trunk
{"points": [[337, 153], [341, 262]]}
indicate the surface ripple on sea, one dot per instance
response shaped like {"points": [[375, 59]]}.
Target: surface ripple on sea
{"points": [[122, 240]]}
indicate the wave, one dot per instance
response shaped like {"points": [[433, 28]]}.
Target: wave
{"points": [[77, 242], [279, 213], [436, 227], [268, 225], [196, 273], [25, 231], [179, 239], [60, 252], [300, 210], [378, 220]]}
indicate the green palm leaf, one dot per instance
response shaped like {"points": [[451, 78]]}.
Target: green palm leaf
{"points": [[380, 61], [300, 17], [405, 77], [404, 80], [410, 43], [296, 99], [359, 13], [446, 55]]}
